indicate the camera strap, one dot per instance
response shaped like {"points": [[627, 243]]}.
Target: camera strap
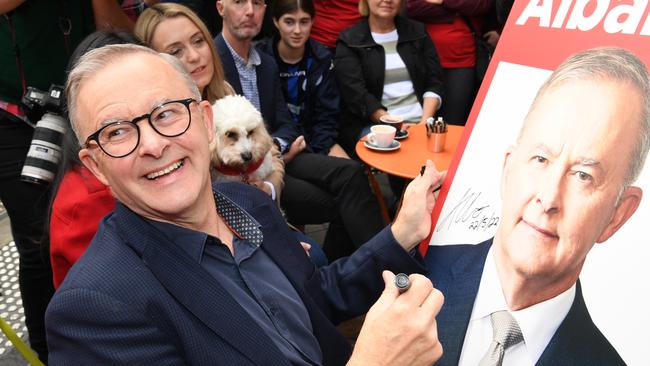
{"points": [[10, 108], [19, 64]]}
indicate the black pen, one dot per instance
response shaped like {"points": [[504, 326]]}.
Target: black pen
{"points": [[422, 173], [402, 282]]}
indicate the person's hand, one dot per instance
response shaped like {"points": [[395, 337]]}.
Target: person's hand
{"points": [[259, 183], [413, 221], [306, 247], [296, 148], [492, 37], [337, 151], [401, 329]]}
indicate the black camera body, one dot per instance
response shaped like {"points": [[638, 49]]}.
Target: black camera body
{"points": [[44, 156]]}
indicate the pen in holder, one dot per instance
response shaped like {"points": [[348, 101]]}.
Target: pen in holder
{"points": [[436, 134]]}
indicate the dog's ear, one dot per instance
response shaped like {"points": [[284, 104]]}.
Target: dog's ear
{"points": [[207, 118]]}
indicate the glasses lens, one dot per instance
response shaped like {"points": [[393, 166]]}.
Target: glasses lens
{"points": [[119, 139], [171, 119]]}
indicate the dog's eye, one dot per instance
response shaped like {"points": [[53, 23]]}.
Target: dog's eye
{"points": [[231, 135], [250, 132]]}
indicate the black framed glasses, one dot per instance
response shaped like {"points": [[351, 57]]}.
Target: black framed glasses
{"points": [[120, 138]]}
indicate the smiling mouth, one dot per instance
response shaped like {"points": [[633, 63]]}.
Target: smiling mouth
{"points": [[198, 70], [169, 169], [544, 232]]}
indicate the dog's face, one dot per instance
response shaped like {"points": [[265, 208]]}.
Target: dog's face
{"points": [[240, 135]]}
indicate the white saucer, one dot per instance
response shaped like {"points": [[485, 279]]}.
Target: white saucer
{"points": [[394, 146], [404, 135]]}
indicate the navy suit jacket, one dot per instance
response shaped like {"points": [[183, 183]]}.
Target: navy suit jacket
{"points": [[135, 297], [274, 107], [456, 271]]}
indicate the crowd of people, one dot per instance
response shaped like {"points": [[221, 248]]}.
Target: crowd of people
{"points": [[320, 72]]}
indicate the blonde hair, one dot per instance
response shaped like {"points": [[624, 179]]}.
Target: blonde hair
{"points": [[149, 20]]}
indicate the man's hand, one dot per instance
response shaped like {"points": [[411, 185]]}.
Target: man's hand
{"points": [[261, 185], [306, 247], [401, 329], [413, 221], [296, 148]]}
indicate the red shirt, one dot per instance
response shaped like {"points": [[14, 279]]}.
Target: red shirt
{"points": [[454, 43], [333, 16], [80, 204]]}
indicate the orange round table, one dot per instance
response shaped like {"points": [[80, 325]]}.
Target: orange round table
{"points": [[407, 161]]}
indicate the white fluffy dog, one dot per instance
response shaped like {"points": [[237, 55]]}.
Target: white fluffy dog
{"points": [[241, 149]]}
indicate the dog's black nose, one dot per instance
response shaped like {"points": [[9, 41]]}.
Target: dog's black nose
{"points": [[246, 156]]}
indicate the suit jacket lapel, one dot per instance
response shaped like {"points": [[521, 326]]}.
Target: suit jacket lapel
{"points": [[197, 290], [228, 64], [290, 258], [458, 278], [265, 89], [574, 341]]}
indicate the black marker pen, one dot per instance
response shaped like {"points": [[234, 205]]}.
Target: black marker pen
{"points": [[402, 282], [424, 167]]}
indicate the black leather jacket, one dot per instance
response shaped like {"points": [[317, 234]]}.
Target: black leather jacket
{"points": [[359, 66]]}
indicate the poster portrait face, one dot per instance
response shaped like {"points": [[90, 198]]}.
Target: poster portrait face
{"points": [[553, 195], [562, 180]]}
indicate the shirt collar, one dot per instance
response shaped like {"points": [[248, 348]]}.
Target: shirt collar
{"points": [[538, 322], [253, 56], [242, 224]]}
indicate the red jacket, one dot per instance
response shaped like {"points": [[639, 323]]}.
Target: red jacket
{"points": [[80, 204]]}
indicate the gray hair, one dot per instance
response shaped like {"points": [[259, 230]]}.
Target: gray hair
{"points": [[614, 64], [97, 59]]}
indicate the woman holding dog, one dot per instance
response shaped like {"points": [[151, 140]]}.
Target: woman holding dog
{"points": [[175, 29], [306, 74]]}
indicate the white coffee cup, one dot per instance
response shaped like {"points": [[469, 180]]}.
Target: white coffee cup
{"points": [[382, 135], [393, 120]]}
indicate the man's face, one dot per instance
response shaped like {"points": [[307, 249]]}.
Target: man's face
{"points": [[561, 182], [242, 19], [165, 177]]}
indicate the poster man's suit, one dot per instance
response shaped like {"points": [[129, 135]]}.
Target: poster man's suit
{"points": [[456, 271]]}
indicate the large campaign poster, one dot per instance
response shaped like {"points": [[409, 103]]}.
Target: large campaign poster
{"points": [[538, 36]]}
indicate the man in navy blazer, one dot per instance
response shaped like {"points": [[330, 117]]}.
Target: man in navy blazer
{"points": [[565, 185], [186, 273]]}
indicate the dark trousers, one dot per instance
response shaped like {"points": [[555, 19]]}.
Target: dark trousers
{"points": [[320, 188], [26, 204], [460, 90]]}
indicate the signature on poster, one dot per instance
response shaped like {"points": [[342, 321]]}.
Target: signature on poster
{"points": [[470, 213]]}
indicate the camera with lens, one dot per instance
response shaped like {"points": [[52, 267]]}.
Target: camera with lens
{"points": [[44, 156]]}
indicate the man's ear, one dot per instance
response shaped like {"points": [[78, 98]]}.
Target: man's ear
{"points": [[206, 114], [89, 162], [504, 169], [627, 205], [220, 7]]}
